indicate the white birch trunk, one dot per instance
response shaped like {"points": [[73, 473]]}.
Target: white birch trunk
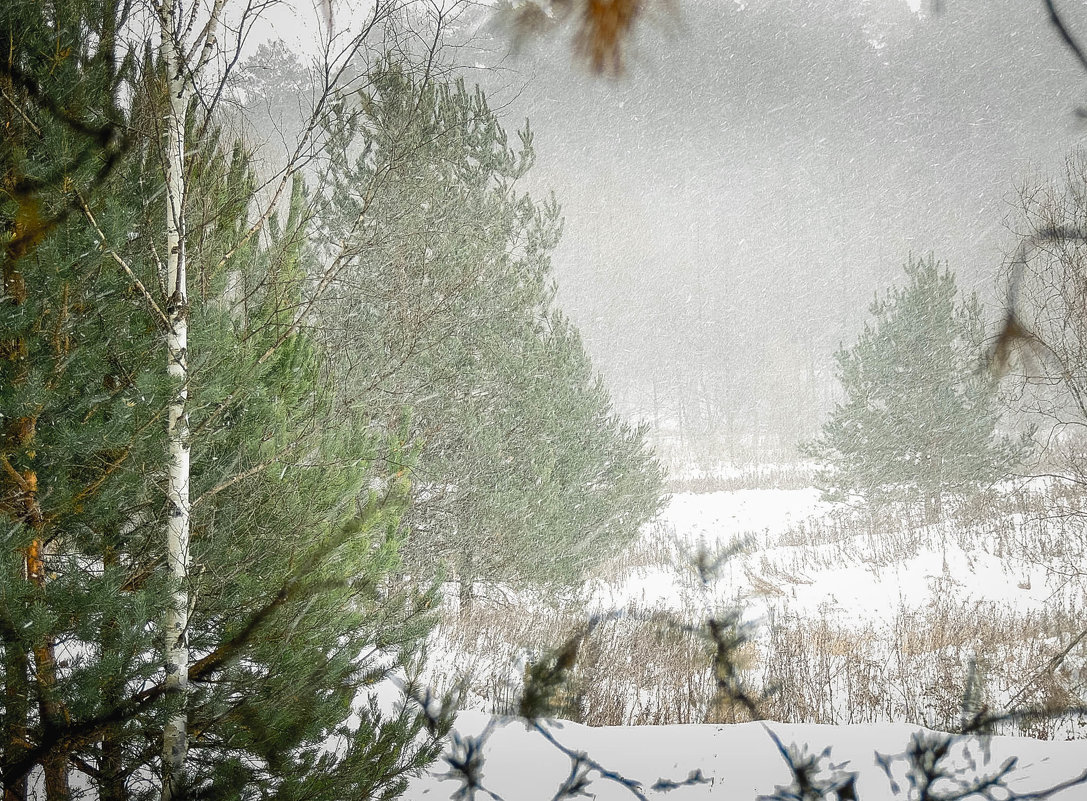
{"points": [[186, 48], [176, 650]]}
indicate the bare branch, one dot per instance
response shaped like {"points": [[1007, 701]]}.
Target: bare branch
{"points": [[121, 262], [1058, 23], [252, 471]]}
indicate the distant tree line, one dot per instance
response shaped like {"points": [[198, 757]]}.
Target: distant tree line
{"points": [[732, 349]]}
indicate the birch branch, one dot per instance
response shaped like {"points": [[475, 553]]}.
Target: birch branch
{"points": [[334, 68], [123, 264], [205, 40]]}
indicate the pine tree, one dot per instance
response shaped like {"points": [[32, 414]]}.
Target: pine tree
{"points": [[288, 529], [553, 474], [919, 418], [78, 430], [293, 530], [524, 473]]}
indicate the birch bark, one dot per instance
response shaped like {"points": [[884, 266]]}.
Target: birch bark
{"points": [[186, 50], [176, 649]]}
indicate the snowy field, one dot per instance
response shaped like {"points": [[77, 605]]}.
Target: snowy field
{"points": [[876, 625]]}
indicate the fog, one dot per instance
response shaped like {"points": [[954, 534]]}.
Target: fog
{"points": [[758, 173]]}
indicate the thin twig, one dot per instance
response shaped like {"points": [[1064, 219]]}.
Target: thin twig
{"points": [[123, 264], [1049, 667], [1058, 23], [22, 113], [635, 787], [1051, 791], [229, 482]]}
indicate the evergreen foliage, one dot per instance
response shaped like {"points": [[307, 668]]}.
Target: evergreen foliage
{"points": [[294, 530], [80, 434], [919, 417], [524, 473], [288, 530]]}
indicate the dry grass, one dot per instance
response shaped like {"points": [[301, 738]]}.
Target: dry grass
{"points": [[640, 669], [916, 667], [752, 476], [634, 669]]}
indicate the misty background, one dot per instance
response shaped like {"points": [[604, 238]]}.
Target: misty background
{"points": [[760, 171]]}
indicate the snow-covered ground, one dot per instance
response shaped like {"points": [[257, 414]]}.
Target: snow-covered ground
{"points": [[807, 559], [739, 762], [843, 579]]}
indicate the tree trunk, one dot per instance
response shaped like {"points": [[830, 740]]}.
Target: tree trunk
{"points": [[16, 708], [465, 576], [176, 650], [55, 765], [111, 783], [16, 666], [50, 708]]}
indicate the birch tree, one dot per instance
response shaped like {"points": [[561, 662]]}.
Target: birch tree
{"points": [[176, 52], [189, 47]]}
